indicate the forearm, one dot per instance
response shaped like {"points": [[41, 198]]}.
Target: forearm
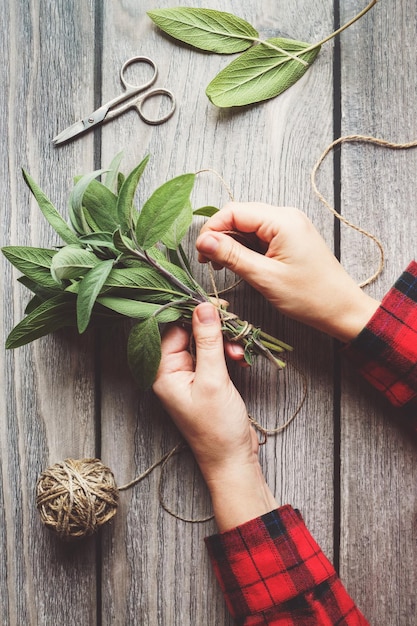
{"points": [[239, 495]]}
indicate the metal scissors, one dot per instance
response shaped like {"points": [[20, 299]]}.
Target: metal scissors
{"points": [[127, 100]]}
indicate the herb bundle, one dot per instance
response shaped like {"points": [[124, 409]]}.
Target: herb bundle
{"points": [[119, 262], [264, 70]]}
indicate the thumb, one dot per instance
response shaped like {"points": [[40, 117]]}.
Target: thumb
{"points": [[227, 252], [208, 337]]}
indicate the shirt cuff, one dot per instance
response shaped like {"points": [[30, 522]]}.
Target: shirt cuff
{"points": [[385, 352], [267, 562]]}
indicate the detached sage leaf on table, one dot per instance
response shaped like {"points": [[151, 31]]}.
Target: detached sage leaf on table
{"points": [[261, 73], [267, 68], [121, 262], [206, 29]]}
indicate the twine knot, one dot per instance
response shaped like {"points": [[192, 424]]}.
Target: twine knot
{"points": [[76, 497]]}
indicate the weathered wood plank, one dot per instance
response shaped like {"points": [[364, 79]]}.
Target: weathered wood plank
{"points": [[47, 388], [155, 569], [379, 461]]}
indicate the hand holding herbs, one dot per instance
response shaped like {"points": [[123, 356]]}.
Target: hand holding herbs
{"points": [[264, 70], [118, 262]]}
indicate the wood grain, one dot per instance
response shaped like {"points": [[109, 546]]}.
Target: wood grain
{"points": [[67, 395], [155, 567], [379, 460], [47, 388]]}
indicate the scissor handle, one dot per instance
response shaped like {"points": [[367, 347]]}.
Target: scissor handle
{"points": [[139, 59], [151, 94], [113, 108]]}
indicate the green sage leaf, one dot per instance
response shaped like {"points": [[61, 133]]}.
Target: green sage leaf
{"points": [[178, 228], [72, 262], [46, 318], [206, 29], [126, 214], [206, 211], [172, 268], [261, 73], [101, 206], [76, 211], [49, 211], [35, 263], [162, 209], [139, 310], [111, 176], [41, 291], [122, 243], [144, 352], [144, 278], [99, 241], [90, 287]]}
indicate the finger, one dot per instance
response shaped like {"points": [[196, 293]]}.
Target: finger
{"points": [[225, 251], [208, 337], [174, 351], [234, 351], [246, 217]]}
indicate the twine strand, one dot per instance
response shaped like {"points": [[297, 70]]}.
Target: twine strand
{"points": [[357, 139]]}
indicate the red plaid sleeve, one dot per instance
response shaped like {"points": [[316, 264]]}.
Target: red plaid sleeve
{"points": [[271, 571], [385, 352]]}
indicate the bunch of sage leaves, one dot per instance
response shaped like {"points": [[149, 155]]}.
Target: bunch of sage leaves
{"points": [[265, 69], [119, 262]]}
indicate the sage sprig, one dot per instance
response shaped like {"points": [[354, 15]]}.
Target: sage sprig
{"points": [[119, 262], [265, 69]]}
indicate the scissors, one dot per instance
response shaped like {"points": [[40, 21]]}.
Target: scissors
{"points": [[110, 110]]}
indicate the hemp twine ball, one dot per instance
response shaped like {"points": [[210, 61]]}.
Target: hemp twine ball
{"points": [[76, 497]]}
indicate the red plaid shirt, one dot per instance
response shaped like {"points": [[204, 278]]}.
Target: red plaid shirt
{"points": [[270, 569], [385, 352]]}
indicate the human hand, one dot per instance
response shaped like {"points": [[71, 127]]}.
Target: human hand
{"points": [[296, 271], [210, 413]]}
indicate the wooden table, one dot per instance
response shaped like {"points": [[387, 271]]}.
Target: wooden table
{"points": [[344, 462]]}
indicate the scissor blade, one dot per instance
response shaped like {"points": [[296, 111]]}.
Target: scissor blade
{"points": [[71, 131], [80, 127]]}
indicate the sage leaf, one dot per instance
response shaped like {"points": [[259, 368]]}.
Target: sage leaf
{"points": [[35, 263], [72, 262], [49, 211], [76, 212], [101, 205], [139, 310], [145, 278], [162, 209], [90, 287], [43, 292], [144, 352], [125, 214], [261, 73], [178, 228], [206, 29], [122, 243], [172, 268], [98, 241], [33, 304], [55, 313], [206, 211], [112, 174]]}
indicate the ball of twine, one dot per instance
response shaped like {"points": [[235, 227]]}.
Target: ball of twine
{"points": [[76, 497]]}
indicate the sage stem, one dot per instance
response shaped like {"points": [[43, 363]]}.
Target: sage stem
{"points": [[339, 30], [294, 57]]}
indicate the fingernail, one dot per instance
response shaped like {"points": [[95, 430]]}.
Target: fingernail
{"points": [[206, 313], [207, 244]]}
